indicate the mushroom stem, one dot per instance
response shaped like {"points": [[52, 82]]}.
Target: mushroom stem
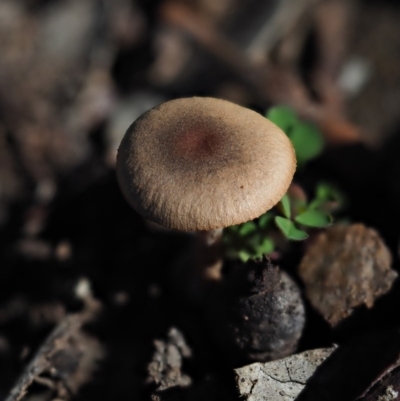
{"points": [[211, 237], [204, 258], [208, 253]]}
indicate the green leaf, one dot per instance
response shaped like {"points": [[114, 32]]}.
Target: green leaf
{"points": [[289, 229], [307, 141], [298, 206], [254, 240], [244, 256], [329, 192], [316, 204], [247, 228], [265, 219], [266, 246], [328, 197], [285, 206], [314, 218], [324, 191], [284, 117]]}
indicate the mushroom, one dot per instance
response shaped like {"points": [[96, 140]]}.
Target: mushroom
{"points": [[202, 164]]}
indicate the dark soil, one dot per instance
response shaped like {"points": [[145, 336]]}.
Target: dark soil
{"points": [[64, 219]]}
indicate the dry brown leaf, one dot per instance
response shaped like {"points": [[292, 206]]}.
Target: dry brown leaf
{"points": [[281, 380], [346, 266]]}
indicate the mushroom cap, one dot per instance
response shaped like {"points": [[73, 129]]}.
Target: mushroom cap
{"points": [[204, 163]]}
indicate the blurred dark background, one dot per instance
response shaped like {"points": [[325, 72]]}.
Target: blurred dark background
{"points": [[74, 74]]}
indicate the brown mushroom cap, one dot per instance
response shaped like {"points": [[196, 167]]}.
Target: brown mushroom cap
{"points": [[204, 163]]}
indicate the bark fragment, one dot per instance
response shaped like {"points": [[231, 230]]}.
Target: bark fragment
{"points": [[165, 368]]}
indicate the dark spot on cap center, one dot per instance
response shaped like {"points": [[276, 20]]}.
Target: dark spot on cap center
{"points": [[197, 144]]}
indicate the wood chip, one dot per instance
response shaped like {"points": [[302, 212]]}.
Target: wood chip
{"points": [[165, 368]]}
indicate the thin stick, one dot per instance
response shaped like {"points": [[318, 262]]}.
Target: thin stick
{"points": [[268, 83], [67, 355]]}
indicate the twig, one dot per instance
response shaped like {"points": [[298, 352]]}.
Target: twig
{"points": [[285, 20], [67, 358], [332, 26], [269, 83]]}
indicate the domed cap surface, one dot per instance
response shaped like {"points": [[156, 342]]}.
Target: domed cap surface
{"points": [[204, 163]]}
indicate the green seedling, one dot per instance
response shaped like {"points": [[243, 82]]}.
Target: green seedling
{"points": [[306, 138], [328, 198], [249, 240], [293, 217]]}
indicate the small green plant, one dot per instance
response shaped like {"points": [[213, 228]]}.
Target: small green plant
{"points": [[294, 216], [306, 138]]}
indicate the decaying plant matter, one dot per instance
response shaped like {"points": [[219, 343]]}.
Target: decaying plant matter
{"points": [[257, 314], [346, 267], [66, 360], [73, 77]]}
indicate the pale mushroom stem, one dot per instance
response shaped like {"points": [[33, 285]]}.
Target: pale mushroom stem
{"points": [[209, 254]]}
